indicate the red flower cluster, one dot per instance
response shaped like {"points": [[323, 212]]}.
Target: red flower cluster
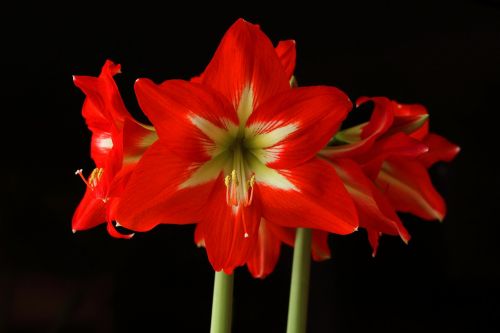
{"points": [[249, 157]]}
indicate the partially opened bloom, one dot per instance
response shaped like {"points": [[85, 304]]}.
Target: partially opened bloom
{"points": [[383, 164], [235, 147], [117, 143]]}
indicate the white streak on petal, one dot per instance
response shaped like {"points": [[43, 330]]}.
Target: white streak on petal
{"points": [[220, 137], [212, 131], [246, 104], [268, 139], [268, 176], [268, 155], [385, 175], [104, 142], [206, 172]]}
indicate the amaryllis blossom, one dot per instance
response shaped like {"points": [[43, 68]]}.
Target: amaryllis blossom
{"points": [[117, 143], [236, 147], [383, 163]]}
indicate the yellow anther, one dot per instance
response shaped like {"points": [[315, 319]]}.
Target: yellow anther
{"points": [[94, 178], [251, 181], [237, 193], [234, 178]]}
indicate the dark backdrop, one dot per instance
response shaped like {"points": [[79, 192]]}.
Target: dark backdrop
{"points": [[445, 56]]}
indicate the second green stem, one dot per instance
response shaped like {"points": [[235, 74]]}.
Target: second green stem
{"points": [[299, 289]]}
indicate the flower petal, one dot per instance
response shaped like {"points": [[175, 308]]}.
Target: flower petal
{"points": [[136, 139], [103, 110], [359, 139], [409, 189], [373, 209], [319, 200], [287, 54], [90, 212], [190, 119], [293, 126], [230, 233], [267, 251], [115, 233], [374, 238], [411, 119], [320, 247], [156, 192], [397, 145], [440, 149], [246, 61]]}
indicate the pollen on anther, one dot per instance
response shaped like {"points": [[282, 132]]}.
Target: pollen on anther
{"points": [[246, 235]]}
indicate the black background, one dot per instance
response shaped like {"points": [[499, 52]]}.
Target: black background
{"points": [[445, 56]]}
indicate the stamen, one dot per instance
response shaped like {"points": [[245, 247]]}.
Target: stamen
{"points": [[251, 182], [235, 194], [93, 179]]}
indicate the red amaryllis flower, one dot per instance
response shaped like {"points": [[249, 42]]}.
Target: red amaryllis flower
{"points": [[263, 259], [117, 143], [392, 152], [237, 146]]}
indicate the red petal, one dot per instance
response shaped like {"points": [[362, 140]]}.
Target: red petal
{"points": [[373, 210], [265, 256], [199, 239], [319, 201], [245, 59], [114, 233], [360, 138], [408, 187], [381, 118], [397, 145], [176, 106], [136, 139], [155, 193], [89, 213], [373, 238], [320, 248], [287, 54], [224, 227], [440, 149], [411, 119], [312, 114], [103, 110]]}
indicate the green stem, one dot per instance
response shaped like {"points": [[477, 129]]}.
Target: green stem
{"points": [[222, 303], [299, 289]]}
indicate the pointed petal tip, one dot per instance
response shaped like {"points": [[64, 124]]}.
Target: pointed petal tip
{"points": [[361, 100], [324, 257]]}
